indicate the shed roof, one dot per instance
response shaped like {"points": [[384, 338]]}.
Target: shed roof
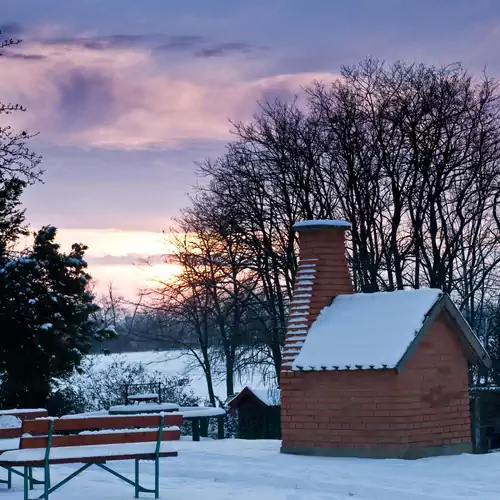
{"points": [[268, 397], [378, 330]]}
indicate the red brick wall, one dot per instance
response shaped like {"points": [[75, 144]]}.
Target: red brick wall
{"points": [[425, 405], [327, 246]]}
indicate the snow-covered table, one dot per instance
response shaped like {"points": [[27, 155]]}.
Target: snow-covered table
{"points": [[199, 417]]}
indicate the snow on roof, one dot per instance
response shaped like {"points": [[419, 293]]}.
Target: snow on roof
{"points": [[269, 396], [321, 222], [365, 330]]}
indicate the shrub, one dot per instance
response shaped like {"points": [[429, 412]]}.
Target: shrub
{"points": [[99, 385]]}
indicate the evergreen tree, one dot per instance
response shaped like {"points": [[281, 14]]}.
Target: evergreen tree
{"points": [[46, 321], [12, 217]]}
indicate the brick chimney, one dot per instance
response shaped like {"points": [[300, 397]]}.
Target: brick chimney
{"points": [[322, 274]]}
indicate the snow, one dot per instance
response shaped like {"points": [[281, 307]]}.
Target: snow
{"points": [[105, 414], [143, 396], [270, 397], [200, 411], [128, 431], [9, 444], [17, 411], [245, 470], [321, 222], [9, 422], [90, 414], [366, 330], [101, 450], [144, 407]]}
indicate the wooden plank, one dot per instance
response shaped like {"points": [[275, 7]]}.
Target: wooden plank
{"points": [[99, 459], [10, 432], [93, 423], [35, 426], [99, 439]]}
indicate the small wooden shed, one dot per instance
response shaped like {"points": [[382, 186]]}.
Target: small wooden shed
{"points": [[258, 413]]}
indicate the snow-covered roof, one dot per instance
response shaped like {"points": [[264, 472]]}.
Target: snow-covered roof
{"points": [[371, 331], [268, 396], [305, 224]]}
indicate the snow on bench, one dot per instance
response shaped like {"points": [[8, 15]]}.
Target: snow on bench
{"points": [[143, 397], [72, 454], [10, 443], [28, 412], [143, 407]]}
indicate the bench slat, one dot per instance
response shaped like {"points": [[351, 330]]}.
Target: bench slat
{"points": [[112, 422], [98, 439], [10, 432], [100, 459]]}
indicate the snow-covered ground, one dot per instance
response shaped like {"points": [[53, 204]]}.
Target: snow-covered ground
{"points": [[174, 363], [246, 470]]}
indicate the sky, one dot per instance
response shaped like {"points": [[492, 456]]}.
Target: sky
{"points": [[127, 96]]}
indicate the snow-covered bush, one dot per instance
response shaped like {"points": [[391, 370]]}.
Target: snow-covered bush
{"points": [[98, 386]]}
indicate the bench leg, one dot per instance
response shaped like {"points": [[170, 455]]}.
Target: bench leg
{"points": [[26, 483], [9, 478], [220, 427], [30, 477], [46, 483], [196, 429], [136, 478], [204, 427], [157, 478]]}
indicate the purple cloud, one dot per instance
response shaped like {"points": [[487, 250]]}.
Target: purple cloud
{"points": [[224, 49], [86, 96], [11, 29], [23, 56], [181, 43]]}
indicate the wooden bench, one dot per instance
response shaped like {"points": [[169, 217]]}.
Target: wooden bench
{"points": [[91, 441]]}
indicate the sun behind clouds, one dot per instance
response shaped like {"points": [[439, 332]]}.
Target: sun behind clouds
{"points": [[130, 260]]}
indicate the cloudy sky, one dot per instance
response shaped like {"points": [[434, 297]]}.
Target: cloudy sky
{"points": [[128, 95]]}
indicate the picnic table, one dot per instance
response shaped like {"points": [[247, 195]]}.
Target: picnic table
{"points": [[141, 408], [199, 417]]}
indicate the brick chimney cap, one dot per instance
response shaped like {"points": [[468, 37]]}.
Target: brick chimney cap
{"points": [[307, 225]]}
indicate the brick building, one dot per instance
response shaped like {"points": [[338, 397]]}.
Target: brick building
{"points": [[371, 375]]}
